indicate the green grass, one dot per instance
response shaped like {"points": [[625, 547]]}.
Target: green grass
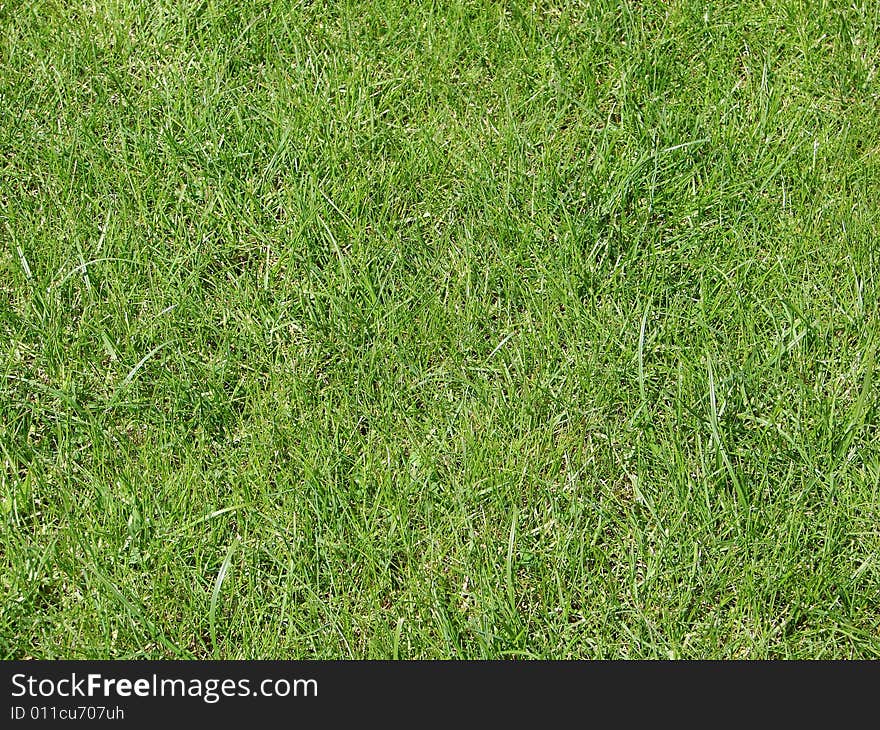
{"points": [[443, 329]]}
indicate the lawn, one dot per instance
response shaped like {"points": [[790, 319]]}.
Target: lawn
{"points": [[445, 329]]}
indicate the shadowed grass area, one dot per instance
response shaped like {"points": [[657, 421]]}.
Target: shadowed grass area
{"points": [[446, 329]]}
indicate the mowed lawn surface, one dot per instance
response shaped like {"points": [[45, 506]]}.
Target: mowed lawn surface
{"points": [[446, 329]]}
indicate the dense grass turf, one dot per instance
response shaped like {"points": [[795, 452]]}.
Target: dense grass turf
{"points": [[451, 329]]}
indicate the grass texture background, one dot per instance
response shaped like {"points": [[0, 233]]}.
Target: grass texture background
{"points": [[443, 329]]}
